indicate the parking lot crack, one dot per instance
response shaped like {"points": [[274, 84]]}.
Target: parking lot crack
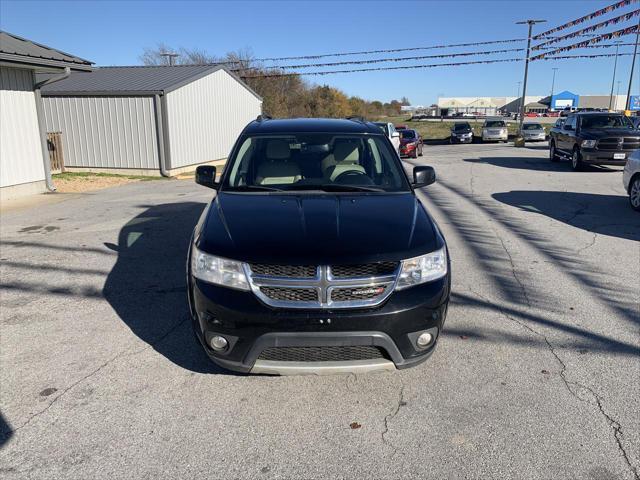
{"points": [[589, 245], [514, 271], [94, 372], [573, 387], [401, 403]]}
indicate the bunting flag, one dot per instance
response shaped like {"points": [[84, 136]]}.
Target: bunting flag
{"points": [[586, 18], [600, 55], [404, 67], [587, 43], [399, 59], [593, 28]]}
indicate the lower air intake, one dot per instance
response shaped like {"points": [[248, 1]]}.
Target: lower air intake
{"points": [[322, 354]]}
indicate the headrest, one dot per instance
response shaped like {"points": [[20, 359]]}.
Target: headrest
{"points": [[278, 150], [346, 151]]}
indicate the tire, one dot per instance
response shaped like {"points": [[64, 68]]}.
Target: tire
{"points": [[415, 153], [421, 148], [634, 193], [553, 156], [576, 160]]}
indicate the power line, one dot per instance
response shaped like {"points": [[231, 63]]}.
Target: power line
{"points": [[398, 59], [403, 67]]}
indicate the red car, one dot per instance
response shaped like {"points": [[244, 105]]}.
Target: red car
{"points": [[410, 143], [401, 127]]}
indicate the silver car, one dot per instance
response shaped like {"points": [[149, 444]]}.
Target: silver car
{"points": [[495, 130], [533, 132], [631, 179]]}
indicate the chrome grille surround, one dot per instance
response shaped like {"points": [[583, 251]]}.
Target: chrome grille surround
{"points": [[331, 292], [612, 144]]}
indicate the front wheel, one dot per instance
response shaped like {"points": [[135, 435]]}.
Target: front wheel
{"points": [[420, 152], [634, 193], [553, 155], [576, 161]]}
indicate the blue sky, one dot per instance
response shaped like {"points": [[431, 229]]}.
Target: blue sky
{"points": [[116, 32]]}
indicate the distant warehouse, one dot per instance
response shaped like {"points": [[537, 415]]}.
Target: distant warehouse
{"points": [[148, 120]]}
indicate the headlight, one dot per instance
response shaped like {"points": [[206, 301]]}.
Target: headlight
{"points": [[425, 268], [588, 143], [218, 271]]}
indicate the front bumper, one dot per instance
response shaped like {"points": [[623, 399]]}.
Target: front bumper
{"points": [[407, 151], [600, 157], [468, 139], [493, 137], [251, 327], [535, 138]]}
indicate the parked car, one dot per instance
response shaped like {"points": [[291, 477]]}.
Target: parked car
{"points": [[342, 270], [594, 138], [401, 127], [495, 130], [533, 132], [392, 134], [461, 132], [532, 114], [631, 179], [411, 143]]}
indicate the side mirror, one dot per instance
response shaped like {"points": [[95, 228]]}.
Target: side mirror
{"points": [[395, 135], [423, 176], [206, 176]]}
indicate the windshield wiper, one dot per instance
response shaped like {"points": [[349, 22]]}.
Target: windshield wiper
{"points": [[333, 187], [253, 188]]}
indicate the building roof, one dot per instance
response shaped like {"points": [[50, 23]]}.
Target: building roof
{"points": [[536, 105], [311, 125], [133, 80], [18, 50]]}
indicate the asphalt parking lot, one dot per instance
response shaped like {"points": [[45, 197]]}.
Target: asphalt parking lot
{"points": [[536, 374]]}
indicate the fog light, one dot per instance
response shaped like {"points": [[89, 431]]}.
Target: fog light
{"points": [[219, 343], [424, 340]]}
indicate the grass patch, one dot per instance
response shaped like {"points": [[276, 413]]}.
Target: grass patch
{"points": [[80, 175]]}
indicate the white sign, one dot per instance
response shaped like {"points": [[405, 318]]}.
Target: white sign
{"points": [[564, 103]]}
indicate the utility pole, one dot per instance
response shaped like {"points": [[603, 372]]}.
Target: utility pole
{"points": [[519, 99], [553, 84], [531, 23], [615, 65], [617, 94], [633, 65]]}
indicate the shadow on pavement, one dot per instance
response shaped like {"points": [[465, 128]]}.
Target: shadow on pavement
{"points": [[602, 214], [147, 285], [6, 432], [538, 164]]}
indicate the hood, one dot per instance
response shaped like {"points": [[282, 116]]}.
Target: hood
{"points": [[609, 132], [404, 141], [317, 228]]}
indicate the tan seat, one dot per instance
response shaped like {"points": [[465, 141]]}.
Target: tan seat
{"points": [[344, 158], [277, 169]]}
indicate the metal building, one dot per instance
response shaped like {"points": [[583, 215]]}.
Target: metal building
{"points": [[23, 148], [148, 120]]}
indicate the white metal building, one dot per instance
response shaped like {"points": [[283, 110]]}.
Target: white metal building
{"points": [[148, 120], [23, 151]]}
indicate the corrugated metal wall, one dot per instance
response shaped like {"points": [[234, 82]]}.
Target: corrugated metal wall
{"points": [[105, 132], [206, 116], [20, 147]]}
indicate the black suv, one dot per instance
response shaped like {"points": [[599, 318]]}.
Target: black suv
{"points": [[594, 138], [316, 256]]}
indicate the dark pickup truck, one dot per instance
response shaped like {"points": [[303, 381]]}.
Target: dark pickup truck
{"points": [[594, 138]]}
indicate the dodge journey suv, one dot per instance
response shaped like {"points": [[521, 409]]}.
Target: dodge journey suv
{"points": [[315, 255]]}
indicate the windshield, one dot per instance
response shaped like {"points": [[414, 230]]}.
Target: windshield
{"points": [[532, 126], [461, 126], [494, 123], [314, 161], [605, 121], [407, 134], [384, 127]]}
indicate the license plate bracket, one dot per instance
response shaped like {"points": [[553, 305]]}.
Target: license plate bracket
{"points": [[619, 156]]}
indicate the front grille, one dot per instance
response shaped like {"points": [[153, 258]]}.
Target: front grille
{"points": [[615, 143], [322, 354], [294, 271], [356, 293], [290, 294], [364, 270]]}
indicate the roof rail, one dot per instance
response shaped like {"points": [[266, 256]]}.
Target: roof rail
{"points": [[262, 117]]}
